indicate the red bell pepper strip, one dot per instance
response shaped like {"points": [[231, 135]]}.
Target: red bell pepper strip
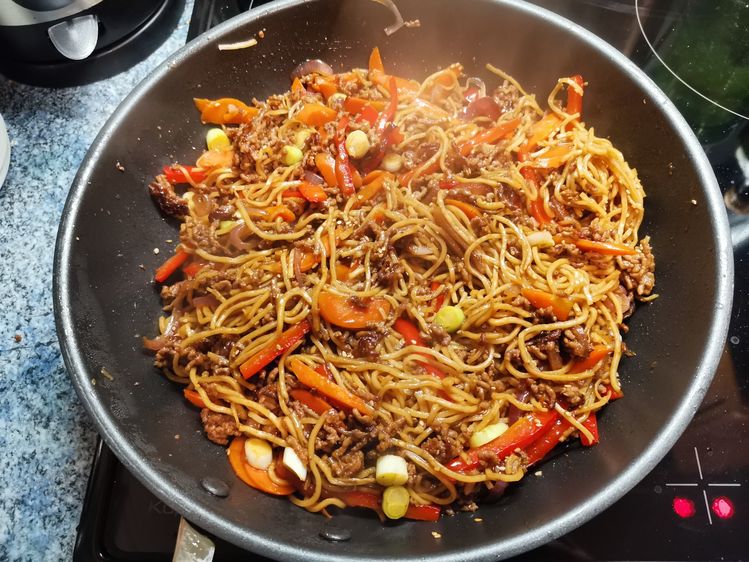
{"points": [[192, 268], [343, 169], [311, 378], [314, 403], [174, 174], [614, 394], [440, 299], [387, 132], [575, 98], [520, 435], [389, 113], [538, 211], [275, 348], [411, 336], [541, 447], [591, 424], [373, 501], [170, 266], [369, 114]]}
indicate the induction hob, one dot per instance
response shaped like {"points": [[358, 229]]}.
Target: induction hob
{"points": [[695, 504]]}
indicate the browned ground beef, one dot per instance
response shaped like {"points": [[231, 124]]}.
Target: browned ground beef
{"points": [[169, 202], [576, 343], [639, 270], [218, 427]]}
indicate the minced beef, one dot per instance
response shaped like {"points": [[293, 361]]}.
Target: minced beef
{"points": [[218, 427]]}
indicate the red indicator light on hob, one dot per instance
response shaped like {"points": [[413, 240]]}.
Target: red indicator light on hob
{"points": [[683, 507], [723, 507]]}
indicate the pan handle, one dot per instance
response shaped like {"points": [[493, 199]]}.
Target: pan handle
{"points": [[192, 546]]}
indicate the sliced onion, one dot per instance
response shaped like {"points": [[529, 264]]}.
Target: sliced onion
{"points": [[154, 344], [419, 250], [202, 204], [159, 342], [497, 491], [313, 178], [292, 461], [235, 237], [514, 414], [312, 66], [206, 300], [482, 107], [478, 83]]}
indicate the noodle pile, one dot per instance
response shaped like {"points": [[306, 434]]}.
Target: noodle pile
{"points": [[520, 217]]}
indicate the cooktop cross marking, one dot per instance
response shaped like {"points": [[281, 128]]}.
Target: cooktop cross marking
{"points": [[697, 484]]}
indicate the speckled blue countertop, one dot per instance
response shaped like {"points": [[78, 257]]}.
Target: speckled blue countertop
{"points": [[46, 438]]}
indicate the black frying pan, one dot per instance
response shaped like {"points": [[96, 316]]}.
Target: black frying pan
{"points": [[104, 300]]}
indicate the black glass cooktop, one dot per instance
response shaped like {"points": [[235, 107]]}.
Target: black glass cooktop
{"points": [[695, 504]]}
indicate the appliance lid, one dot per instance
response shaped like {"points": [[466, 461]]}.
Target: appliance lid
{"points": [[29, 12]]}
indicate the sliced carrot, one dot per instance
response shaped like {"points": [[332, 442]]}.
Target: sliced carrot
{"points": [[312, 193], [538, 211], [598, 353], [292, 194], [541, 130], [193, 398], [606, 248], [342, 271], [326, 164], [382, 79], [489, 136], [297, 86], [313, 379], [314, 403], [469, 210], [224, 111], [171, 265], [555, 157], [370, 189], [280, 344], [325, 85], [375, 61], [541, 299], [346, 313], [355, 105], [316, 114], [252, 476], [372, 176]]}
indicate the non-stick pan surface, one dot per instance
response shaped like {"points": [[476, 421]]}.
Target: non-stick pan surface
{"points": [[105, 299]]}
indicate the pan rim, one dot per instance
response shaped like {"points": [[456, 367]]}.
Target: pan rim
{"points": [[593, 505]]}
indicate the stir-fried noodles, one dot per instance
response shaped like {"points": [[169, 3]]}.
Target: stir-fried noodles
{"points": [[400, 295]]}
